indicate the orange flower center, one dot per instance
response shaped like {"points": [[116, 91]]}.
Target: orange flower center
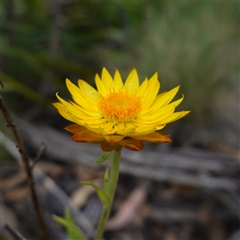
{"points": [[120, 106]]}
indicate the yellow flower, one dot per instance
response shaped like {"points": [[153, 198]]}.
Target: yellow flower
{"points": [[119, 114]]}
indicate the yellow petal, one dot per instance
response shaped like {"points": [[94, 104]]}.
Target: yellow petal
{"points": [[142, 89], [78, 121], [100, 86], [87, 136], [60, 106], [132, 144], [105, 128], [157, 116], [157, 108], [93, 128], [88, 89], [105, 131], [151, 92], [154, 137], [159, 127], [90, 112], [80, 97], [65, 103], [175, 116], [142, 130], [107, 78], [78, 112], [132, 83], [72, 88], [118, 83], [124, 128], [166, 97], [177, 102], [63, 111]]}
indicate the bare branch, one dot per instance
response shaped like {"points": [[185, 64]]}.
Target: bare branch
{"points": [[26, 164], [40, 152]]}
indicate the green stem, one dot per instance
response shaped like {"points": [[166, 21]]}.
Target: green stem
{"points": [[114, 163]]}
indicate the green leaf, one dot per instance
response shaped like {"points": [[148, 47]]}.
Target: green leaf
{"points": [[76, 232], [67, 215], [106, 180], [104, 157], [102, 194]]}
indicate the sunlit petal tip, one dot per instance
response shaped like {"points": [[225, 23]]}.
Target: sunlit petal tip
{"points": [[116, 73], [55, 104], [106, 76], [186, 113], [177, 102], [177, 88], [117, 80], [80, 81], [132, 83], [100, 85], [160, 127], [73, 89], [68, 82], [183, 113], [97, 77], [132, 73], [104, 71], [60, 99], [173, 91], [155, 76], [134, 70]]}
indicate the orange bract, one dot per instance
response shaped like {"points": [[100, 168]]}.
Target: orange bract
{"points": [[119, 114]]}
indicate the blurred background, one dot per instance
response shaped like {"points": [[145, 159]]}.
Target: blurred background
{"points": [[190, 188]]}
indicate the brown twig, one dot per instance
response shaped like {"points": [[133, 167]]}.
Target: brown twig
{"points": [[14, 233], [40, 152], [25, 162]]}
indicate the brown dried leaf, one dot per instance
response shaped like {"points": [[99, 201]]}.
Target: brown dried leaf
{"points": [[129, 209], [17, 194], [13, 181], [80, 196]]}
